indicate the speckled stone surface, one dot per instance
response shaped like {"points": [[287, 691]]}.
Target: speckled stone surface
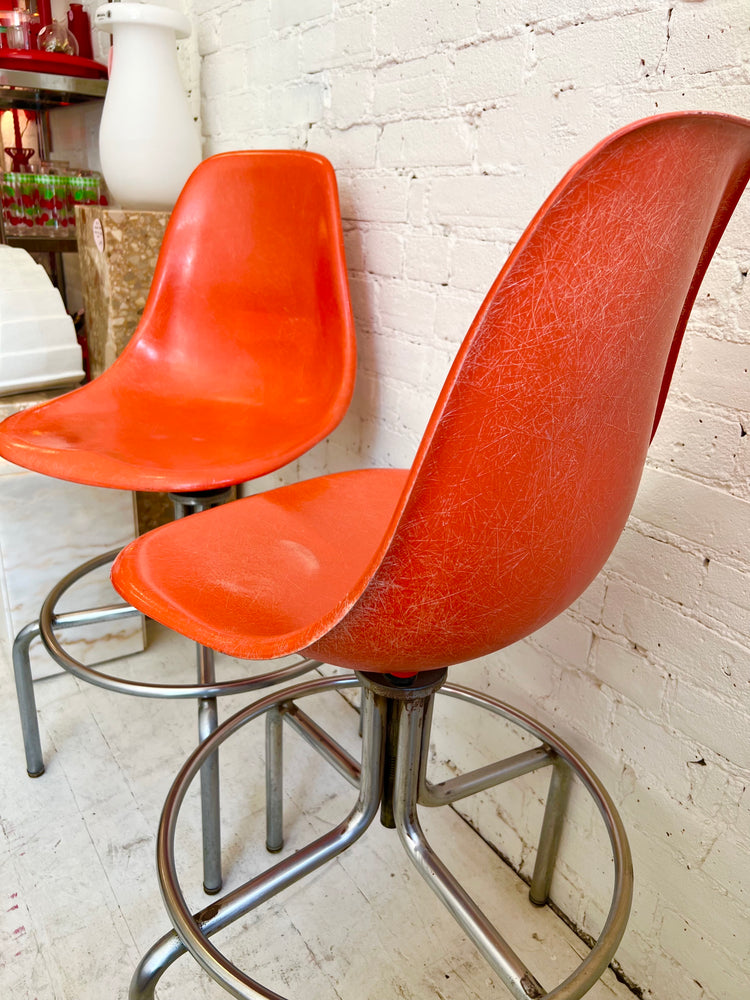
{"points": [[117, 251]]}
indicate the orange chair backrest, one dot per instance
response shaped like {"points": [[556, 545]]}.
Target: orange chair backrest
{"points": [[250, 295], [533, 454]]}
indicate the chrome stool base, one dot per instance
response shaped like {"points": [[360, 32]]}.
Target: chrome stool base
{"points": [[391, 779], [207, 690]]}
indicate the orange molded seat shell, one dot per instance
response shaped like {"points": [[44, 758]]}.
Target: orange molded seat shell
{"points": [[244, 357], [285, 561], [530, 462]]}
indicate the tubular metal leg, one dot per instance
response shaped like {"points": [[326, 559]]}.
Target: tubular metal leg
{"points": [[404, 709], [509, 967], [194, 930], [274, 780], [25, 682], [549, 838], [153, 965], [208, 720], [564, 759], [26, 701], [317, 738]]}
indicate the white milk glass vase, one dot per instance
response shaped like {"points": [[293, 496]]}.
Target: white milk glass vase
{"points": [[148, 141]]}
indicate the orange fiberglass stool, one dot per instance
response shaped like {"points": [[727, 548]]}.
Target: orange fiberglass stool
{"points": [[244, 359], [520, 488]]}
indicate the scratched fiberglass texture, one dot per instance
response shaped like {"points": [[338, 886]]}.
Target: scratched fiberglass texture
{"points": [[531, 459]]}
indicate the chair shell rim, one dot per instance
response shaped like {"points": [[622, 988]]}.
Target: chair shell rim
{"points": [[49, 620]]}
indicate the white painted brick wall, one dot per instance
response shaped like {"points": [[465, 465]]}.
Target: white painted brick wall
{"points": [[448, 122]]}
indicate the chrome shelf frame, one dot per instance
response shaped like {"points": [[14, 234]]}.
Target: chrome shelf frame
{"points": [[43, 92]]}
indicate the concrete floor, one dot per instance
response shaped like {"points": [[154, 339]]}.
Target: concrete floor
{"points": [[79, 901]]}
